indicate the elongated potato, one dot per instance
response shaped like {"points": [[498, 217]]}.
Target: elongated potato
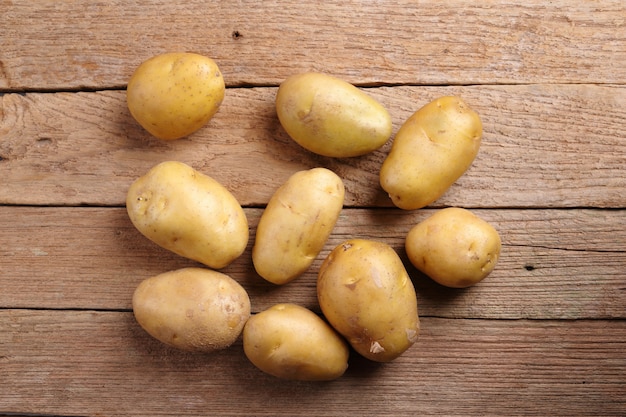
{"points": [[188, 213], [296, 224], [331, 117], [454, 247], [367, 295], [192, 309], [431, 150], [291, 342]]}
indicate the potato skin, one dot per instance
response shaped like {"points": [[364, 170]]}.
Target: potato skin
{"points": [[192, 309], [431, 150], [291, 342], [367, 295], [331, 117], [454, 247], [188, 213], [296, 224], [174, 94]]}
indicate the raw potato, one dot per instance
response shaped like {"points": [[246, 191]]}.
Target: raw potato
{"points": [[331, 117], [296, 224], [188, 213], [367, 295], [454, 247], [431, 150], [174, 94], [192, 309], [291, 342]]}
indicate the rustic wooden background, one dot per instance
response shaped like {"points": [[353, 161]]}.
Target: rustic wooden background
{"points": [[545, 334]]}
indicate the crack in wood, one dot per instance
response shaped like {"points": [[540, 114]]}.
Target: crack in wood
{"points": [[571, 249]]}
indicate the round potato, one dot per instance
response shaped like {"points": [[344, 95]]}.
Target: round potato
{"points": [[454, 247], [188, 213], [192, 309], [174, 94], [291, 342], [431, 150], [367, 295], [331, 117], [296, 224]]}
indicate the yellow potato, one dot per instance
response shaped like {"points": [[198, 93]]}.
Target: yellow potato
{"points": [[188, 213], [331, 117], [431, 150], [174, 94], [192, 309], [296, 224], [454, 247], [291, 342], [367, 295]]}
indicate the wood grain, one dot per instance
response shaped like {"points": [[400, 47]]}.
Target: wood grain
{"points": [[88, 363], [554, 264], [544, 335], [261, 43], [543, 146]]}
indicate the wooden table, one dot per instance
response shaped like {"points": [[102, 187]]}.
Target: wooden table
{"points": [[544, 335]]}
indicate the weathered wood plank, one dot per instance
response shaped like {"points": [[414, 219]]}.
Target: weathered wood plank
{"points": [[256, 42], [545, 334], [566, 264], [103, 363], [543, 146]]}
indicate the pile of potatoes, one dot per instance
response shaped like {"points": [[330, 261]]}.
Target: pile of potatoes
{"points": [[367, 299]]}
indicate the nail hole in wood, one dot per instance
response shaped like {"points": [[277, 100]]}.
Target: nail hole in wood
{"points": [[44, 141]]}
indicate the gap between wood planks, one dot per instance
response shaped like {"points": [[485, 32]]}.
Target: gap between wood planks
{"points": [[247, 85]]}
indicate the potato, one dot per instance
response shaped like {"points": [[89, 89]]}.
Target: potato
{"points": [[454, 247], [296, 224], [188, 213], [431, 150], [331, 117], [174, 94], [291, 342], [366, 294], [192, 309]]}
